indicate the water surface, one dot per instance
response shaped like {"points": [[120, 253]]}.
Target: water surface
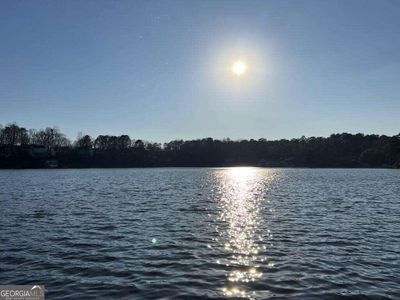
{"points": [[202, 233]]}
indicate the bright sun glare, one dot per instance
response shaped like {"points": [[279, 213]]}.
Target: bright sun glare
{"points": [[239, 68]]}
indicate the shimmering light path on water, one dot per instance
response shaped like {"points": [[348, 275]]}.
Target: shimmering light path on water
{"points": [[241, 193], [202, 233]]}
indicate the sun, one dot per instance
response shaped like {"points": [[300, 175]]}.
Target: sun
{"points": [[239, 68]]}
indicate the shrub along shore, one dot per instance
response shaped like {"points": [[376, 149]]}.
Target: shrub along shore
{"points": [[49, 148]]}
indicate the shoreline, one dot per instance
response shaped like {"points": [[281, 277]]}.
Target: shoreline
{"points": [[204, 167]]}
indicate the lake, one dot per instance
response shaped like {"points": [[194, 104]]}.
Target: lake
{"points": [[202, 233]]}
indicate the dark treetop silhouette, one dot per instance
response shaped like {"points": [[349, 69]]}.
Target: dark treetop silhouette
{"points": [[22, 148]]}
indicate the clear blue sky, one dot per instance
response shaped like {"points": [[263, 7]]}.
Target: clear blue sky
{"points": [[152, 69]]}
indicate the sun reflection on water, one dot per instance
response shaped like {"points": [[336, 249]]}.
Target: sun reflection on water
{"points": [[241, 196]]}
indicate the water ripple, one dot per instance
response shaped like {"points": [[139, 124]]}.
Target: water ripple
{"points": [[202, 233]]}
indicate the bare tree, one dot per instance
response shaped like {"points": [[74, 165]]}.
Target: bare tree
{"points": [[84, 141], [49, 138]]}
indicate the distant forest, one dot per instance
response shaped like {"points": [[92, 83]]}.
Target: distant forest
{"points": [[49, 148]]}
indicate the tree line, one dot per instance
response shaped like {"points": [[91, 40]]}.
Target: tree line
{"points": [[23, 148]]}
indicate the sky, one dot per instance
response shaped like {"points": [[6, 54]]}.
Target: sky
{"points": [[160, 70]]}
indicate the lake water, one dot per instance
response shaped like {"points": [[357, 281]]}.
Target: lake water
{"points": [[202, 233]]}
